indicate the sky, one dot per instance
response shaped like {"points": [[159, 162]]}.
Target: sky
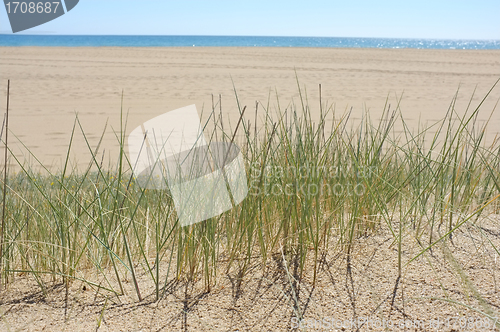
{"points": [[433, 19]]}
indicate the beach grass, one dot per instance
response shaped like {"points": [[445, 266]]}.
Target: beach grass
{"points": [[316, 184]]}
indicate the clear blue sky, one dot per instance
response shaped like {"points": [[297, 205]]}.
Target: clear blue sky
{"points": [[455, 19]]}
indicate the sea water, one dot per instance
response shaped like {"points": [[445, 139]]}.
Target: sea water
{"points": [[241, 41]]}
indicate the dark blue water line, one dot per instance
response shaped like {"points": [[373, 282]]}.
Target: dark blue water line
{"points": [[240, 41]]}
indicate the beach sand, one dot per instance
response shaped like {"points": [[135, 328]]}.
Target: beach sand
{"points": [[363, 291], [49, 86]]}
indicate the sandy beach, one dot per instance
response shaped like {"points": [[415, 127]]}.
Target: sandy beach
{"points": [[50, 85], [347, 178], [441, 265]]}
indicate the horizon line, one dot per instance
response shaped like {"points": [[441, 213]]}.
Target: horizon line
{"points": [[260, 36]]}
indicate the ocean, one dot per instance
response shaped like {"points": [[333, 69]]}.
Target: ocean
{"points": [[241, 41]]}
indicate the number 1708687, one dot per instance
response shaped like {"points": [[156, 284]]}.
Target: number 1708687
{"points": [[25, 7]]}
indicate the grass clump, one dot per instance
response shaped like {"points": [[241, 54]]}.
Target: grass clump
{"points": [[314, 186]]}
